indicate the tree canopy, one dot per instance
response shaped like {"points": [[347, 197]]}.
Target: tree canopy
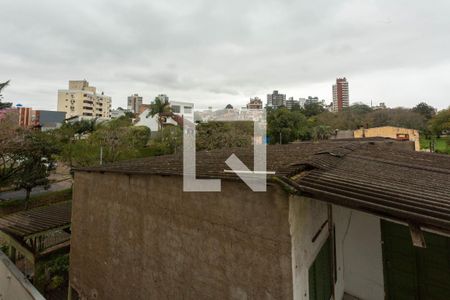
{"points": [[440, 123], [4, 104]]}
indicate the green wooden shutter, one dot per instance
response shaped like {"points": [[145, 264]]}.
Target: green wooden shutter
{"points": [[319, 274], [411, 272]]}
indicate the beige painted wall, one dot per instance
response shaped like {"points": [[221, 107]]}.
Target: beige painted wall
{"points": [[389, 132], [141, 237]]}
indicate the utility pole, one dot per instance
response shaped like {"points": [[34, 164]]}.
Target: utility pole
{"points": [[101, 155]]}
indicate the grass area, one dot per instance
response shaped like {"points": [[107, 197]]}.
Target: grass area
{"points": [[12, 206], [441, 144]]}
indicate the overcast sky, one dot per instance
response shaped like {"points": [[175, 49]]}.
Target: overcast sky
{"points": [[217, 52]]}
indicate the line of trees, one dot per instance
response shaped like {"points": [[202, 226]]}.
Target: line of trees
{"points": [[313, 122], [27, 156]]}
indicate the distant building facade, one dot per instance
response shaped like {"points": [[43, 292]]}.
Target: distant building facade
{"points": [[47, 119], [255, 103], [134, 102], [291, 103], [301, 102], [276, 100], [311, 99], [25, 116], [392, 132], [83, 100], [117, 113], [340, 95], [380, 105]]}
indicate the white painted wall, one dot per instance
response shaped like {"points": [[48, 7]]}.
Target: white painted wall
{"points": [[146, 120], [359, 259], [186, 110], [305, 217], [13, 284]]}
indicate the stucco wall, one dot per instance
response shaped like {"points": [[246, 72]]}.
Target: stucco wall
{"points": [[359, 259], [141, 237]]}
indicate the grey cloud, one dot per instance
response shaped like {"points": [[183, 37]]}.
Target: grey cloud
{"points": [[218, 51]]}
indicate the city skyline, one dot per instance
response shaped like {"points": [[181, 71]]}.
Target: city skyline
{"points": [[213, 54]]}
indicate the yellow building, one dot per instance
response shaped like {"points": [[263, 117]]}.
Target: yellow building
{"points": [[392, 132], [82, 100]]}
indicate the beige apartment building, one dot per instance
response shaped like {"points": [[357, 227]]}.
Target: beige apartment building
{"points": [[82, 100]]}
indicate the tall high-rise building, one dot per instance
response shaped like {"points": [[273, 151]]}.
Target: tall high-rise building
{"points": [[134, 102], [291, 103], [276, 100], [82, 100], [340, 95]]}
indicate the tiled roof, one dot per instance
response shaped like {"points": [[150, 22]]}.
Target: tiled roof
{"points": [[371, 175], [36, 220]]}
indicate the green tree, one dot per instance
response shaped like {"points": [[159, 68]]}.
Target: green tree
{"points": [[321, 132], [360, 108], [399, 117], [440, 123], [12, 140], [216, 135], [119, 140], [286, 126], [313, 108], [4, 104], [85, 144], [162, 109], [36, 159], [75, 150], [427, 111], [169, 140]]}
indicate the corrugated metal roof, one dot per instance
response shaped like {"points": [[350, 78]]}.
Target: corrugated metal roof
{"points": [[373, 176], [36, 220]]}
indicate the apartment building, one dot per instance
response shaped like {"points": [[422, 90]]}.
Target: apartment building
{"points": [[81, 99], [291, 103], [134, 102], [25, 116], [47, 119], [255, 103], [276, 100], [340, 94]]}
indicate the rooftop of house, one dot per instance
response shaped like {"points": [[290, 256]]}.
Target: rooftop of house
{"points": [[37, 220], [371, 175]]}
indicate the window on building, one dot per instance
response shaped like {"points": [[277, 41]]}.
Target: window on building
{"points": [[187, 109], [176, 109]]}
